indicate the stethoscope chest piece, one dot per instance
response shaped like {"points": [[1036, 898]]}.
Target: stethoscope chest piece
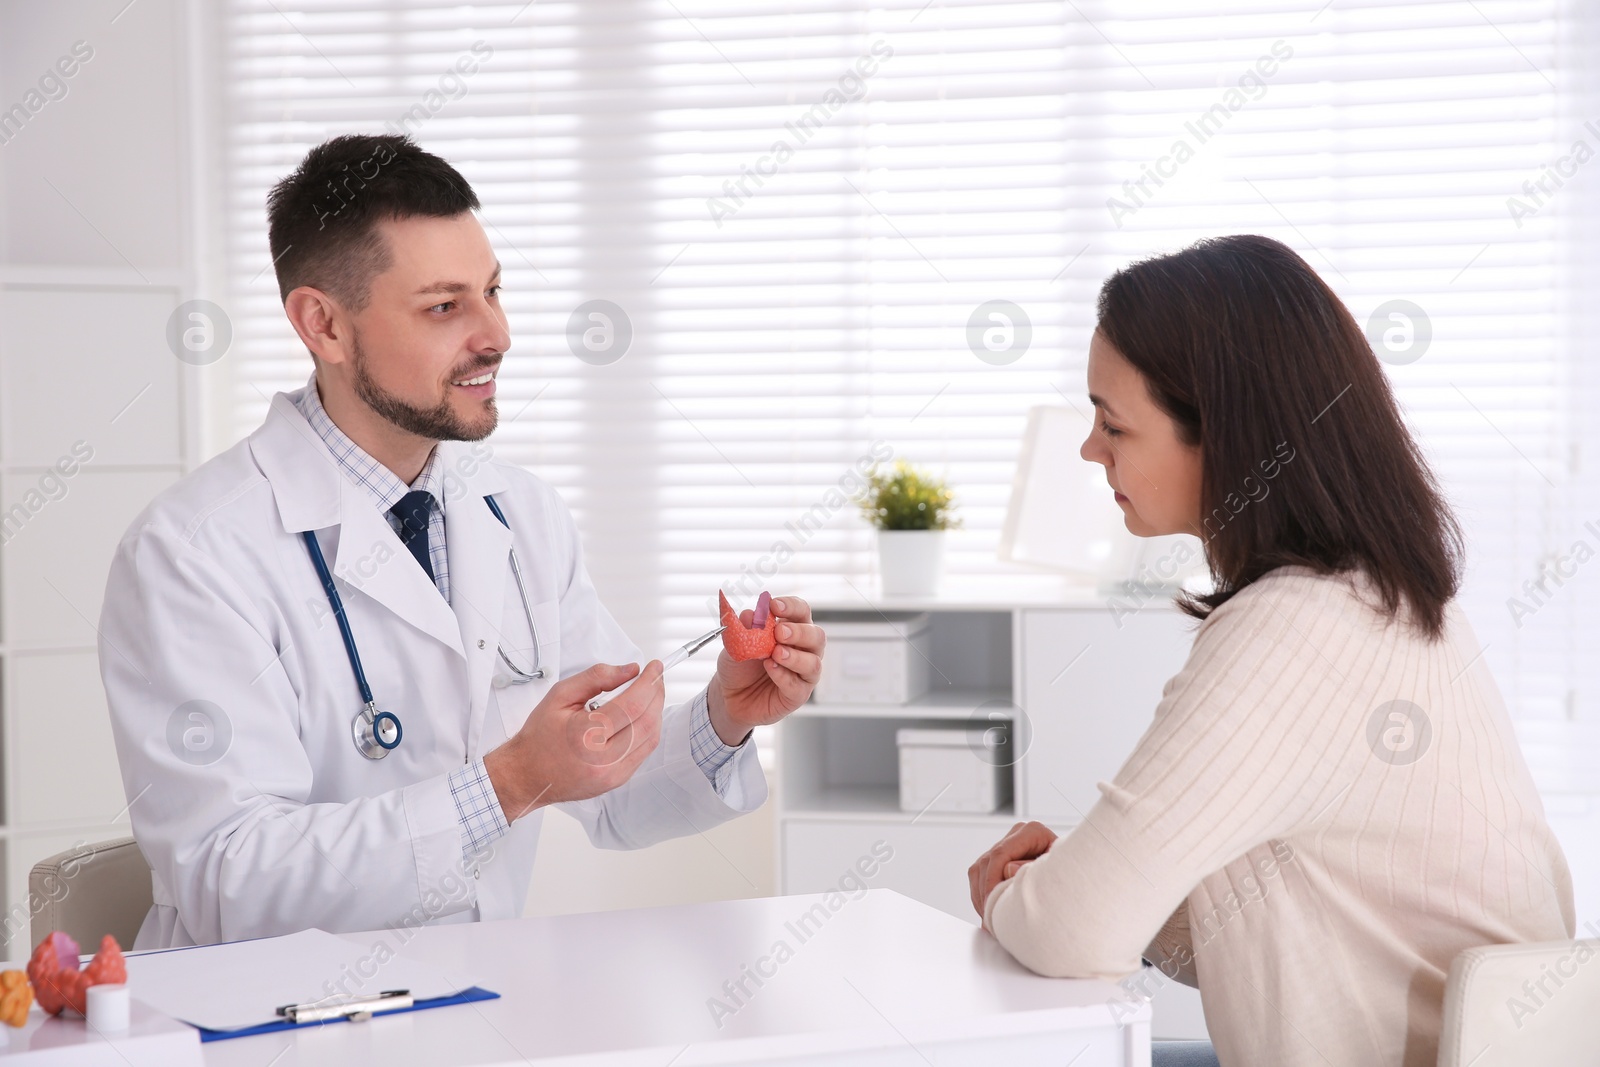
{"points": [[376, 733]]}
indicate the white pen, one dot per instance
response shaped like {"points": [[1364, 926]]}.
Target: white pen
{"points": [[669, 661], [357, 1009]]}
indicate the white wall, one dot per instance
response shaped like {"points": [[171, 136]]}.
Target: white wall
{"points": [[731, 861], [96, 251]]}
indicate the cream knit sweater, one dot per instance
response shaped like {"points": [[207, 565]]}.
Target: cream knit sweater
{"points": [[1325, 811]]}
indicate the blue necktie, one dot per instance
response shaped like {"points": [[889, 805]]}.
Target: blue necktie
{"points": [[413, 512]]}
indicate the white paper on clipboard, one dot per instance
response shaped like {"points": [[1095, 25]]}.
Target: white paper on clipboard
{"points": [[242, 984]]}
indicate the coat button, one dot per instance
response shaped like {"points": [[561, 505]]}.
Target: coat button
{"points": [[480, 642]]}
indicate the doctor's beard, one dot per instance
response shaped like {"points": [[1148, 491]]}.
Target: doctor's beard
{"points": [[438, 423]]}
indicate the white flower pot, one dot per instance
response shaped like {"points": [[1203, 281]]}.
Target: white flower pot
{"points": [[910, 561]]}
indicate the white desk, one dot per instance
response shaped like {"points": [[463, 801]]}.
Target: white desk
{"points": [[882, 980]]}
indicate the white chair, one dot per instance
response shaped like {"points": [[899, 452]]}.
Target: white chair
{"points": [[1523, 1005], [90, 891]]}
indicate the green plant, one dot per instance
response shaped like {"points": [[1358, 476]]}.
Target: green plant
{"points": [[907, 499]]}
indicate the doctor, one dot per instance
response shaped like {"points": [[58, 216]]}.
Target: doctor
{"points": [[266, 793]]}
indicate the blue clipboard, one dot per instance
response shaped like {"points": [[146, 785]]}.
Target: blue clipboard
{"points": [[466, 996]]}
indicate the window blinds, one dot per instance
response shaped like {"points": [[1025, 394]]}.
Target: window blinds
{"points": [[798, 219]]}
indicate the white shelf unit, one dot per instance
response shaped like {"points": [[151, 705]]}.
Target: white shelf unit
{"points": [[1078, 679]]}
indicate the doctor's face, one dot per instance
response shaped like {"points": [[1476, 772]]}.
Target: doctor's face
{"points": [[427, 345], [1154, 473]]}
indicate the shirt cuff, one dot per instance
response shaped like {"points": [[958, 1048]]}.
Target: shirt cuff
{"points": [[478, 810], [710, 754]]}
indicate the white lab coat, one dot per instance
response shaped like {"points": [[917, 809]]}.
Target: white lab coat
{"points": [[283, 825]]}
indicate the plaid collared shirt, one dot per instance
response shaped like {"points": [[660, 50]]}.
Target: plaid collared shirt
{"points": [[382, 484], [478, 809]]}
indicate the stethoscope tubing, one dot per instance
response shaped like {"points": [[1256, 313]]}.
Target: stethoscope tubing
{"points": [[337, 603], [527, 608], [368, 727]]}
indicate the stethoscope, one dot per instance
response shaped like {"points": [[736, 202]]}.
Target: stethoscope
{"points": [[377, 733]]}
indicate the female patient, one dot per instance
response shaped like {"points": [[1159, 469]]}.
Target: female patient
{"points": [[1330, 803]]}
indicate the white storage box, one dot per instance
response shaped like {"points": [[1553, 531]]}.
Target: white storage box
{"points": [[884, 661], [951, 770]]}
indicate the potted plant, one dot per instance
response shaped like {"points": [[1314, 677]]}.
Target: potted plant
{"points": [[911, 512]]}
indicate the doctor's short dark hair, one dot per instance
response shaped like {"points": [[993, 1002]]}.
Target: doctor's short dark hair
{"points": [[322, 219], [1304, 457]]}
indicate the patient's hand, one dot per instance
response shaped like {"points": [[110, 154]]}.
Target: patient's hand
{"points": [[1026, 841]]}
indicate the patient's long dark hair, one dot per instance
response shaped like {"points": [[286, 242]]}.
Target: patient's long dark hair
{"points": [[1256, 359]]}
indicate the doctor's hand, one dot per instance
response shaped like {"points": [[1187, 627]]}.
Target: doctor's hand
{"points": [[566, 752], [1025, 842], [757, 692]]}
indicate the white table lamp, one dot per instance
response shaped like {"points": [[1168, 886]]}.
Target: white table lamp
{"points": [[1062, 516]]}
